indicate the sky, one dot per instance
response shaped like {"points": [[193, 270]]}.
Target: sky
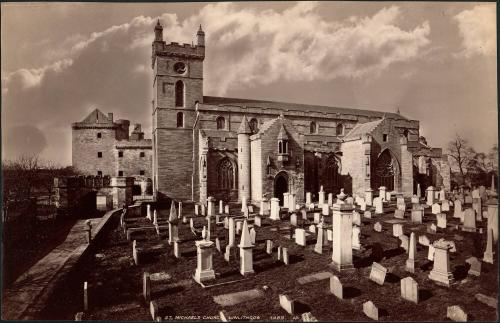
{"points": [[435, 62]]}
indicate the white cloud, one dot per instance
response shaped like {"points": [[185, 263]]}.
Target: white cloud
{"points": [[478, 30], [28, 78]]}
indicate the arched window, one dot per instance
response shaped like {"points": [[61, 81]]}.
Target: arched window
{"points": [[313, 128], [221, 123], [226, 176], [179, 94], [340, 129], [254, 125], [180, 120], [405, 133], [280, 147]]}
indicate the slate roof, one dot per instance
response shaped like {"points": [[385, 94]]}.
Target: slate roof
{"points": [[96, 116], [212, 100], [361, 129]]}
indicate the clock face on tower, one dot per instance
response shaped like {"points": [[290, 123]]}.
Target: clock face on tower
{"points": [[180, 68]]}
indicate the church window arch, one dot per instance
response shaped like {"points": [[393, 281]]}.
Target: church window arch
{"points": [[226, 175], [179, 93], [340, 129], [221, 123], [180, 120], [313, 128], [254, 125]]}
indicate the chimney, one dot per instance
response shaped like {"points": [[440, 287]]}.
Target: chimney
{"points": [[110, 116]]}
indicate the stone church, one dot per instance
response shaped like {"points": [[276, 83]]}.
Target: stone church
{"points": [[232, 148]]}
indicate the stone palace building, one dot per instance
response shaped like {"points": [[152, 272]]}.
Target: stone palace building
{"points": [[232, 148]]}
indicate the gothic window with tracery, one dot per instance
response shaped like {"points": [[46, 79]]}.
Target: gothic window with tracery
{"points": [[226, 175]]}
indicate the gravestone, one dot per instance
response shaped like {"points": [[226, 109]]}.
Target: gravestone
{"points": [[415, 199], [356, 233], [416, 216], [430, 195], [287, 304], [377, 227], [382, 194], [456, 313], [430, 253], [177, 252], [336, 287], [317, 217], [285, 256], [400, 203], [356, 218], [404, 242], [250, 209], [436, 208], [318, 247], [379, 208], [257, 221], [252, 235], [369, 197], [342, 238], [308, 198], [146, 287], [269, 247], [445, 206], [368, 214], [409, 289], [232, 233], [85, 296], [308, 317], [300, 237], [370, 310], [275, 209], [377, 273], [488, 253], [457, 209], [441, 220], [226, 209], [441, 272], [330, 199], [325, 209], [410, 262], [475, 266], [477, 207], [246, 256], [217, 244], [280, 252], [423, 240], [312, 228], [204, 270], [293, 219], [399, 214], [397, 229], [469, 220]]}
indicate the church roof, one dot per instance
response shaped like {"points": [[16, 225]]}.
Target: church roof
{"points": [[244, 126], [361, 129], [96, 116], [282, 134], [212, 100]]}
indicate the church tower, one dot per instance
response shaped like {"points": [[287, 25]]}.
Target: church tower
{"points": [[177, 87], [244, 132]]}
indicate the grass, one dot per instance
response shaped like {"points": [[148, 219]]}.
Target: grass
{"points": [[116, 283]]}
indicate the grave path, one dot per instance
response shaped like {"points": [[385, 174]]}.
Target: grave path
{"points": [[27, 294]]}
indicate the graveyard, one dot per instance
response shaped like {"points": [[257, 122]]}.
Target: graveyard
{"points": [[431, 258]]}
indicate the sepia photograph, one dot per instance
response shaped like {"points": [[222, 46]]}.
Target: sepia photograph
{"points": [[330, 161]]}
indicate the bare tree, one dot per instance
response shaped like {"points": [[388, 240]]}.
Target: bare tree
{"points": [[461, 154]]}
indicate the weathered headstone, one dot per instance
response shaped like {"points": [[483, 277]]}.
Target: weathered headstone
{"points": [[286, 260], [287, 304], [269, 247], [377, 227], [441, 220], [356, 233], [397, 229], [410, 262], [409, 289], [457, 209], [246, 256], [436, 208], [336, 287], [377, 273], [423, 240], [441, 273], [308, 317], [356, 218], [368, 214], [456, 313], [404, 242], [379, 208], [146, 287], [204, 270], [399, 214], [318, 247], [475, 266], [417, 215], [177, 252], [489, 252], [469, 220], [370, 310], [342, 238]]}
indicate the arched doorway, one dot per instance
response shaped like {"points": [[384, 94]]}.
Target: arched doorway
{"points": [[280, 186], [331, 175], [386, 171]]}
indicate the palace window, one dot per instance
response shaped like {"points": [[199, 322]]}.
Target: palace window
{"points": [[283, 147], [385, 137], [179, 94], [340, 129], [99, 135], [120, 173], [221, 123], [180, 120], [405, 133], [141, 172], [99, 154], [254, 125], [120, 154], [226, 176], [142, 154], [313, 127]]}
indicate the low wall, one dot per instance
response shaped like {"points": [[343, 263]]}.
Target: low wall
{"points": [[28, 296]]}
